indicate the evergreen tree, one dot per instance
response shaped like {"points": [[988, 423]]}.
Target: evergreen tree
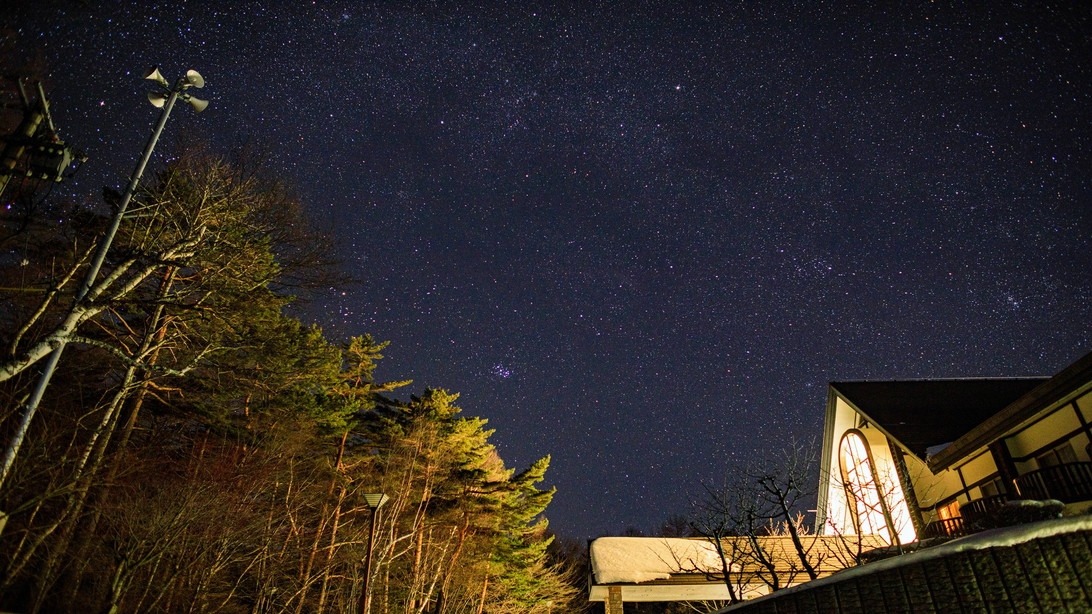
{"points": [[202, 451]]}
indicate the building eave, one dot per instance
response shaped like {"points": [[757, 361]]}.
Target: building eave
{"points": [[824, 462], [1070, 382], [871, 421]]}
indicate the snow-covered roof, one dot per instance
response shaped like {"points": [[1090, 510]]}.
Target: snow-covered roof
{"points": [[675, 569], [641, 559]]}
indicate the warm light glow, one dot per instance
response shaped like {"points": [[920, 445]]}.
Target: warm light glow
{"points": [[878, 506], [836, 511], [949, 511], [899, 509], [860, 481]]}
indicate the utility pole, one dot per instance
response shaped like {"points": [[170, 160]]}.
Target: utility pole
{"points": [[31, 151], [165, 100]]}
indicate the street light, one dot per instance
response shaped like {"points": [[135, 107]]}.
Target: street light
{"points": [[164, 99], [373, 501]]}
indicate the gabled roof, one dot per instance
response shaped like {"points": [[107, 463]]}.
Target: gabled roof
{"points": [[920, 414]]}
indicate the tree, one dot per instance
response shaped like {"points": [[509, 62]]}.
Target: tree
{"points": [[186, 298], [461, 528], [203, 451], [762, 499]]}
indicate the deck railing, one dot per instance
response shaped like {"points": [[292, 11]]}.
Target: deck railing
{"points": [[1068, 483], [976, 514], [948, 527]]}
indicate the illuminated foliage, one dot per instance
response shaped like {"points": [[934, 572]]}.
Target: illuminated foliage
{"points": [[200, 450]]}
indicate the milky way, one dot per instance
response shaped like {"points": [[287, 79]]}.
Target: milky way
{"points": [[637, 238]]}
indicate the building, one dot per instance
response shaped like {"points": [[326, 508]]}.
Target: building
{"points": [[912, 460], [663, 569], [909, 460], [1039, 568], [904, 462]]}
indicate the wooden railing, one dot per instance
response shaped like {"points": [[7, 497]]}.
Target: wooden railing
{"points": [[948, 527], [1068, 483], [979, 512]]}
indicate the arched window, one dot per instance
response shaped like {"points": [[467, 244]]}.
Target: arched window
{"points": [[867, 506]]}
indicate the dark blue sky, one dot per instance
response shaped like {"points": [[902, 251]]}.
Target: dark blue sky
{"points": [[642, 238]]}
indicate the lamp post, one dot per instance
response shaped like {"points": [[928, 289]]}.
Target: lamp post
{"points": [[374, 502], [164, 99]]}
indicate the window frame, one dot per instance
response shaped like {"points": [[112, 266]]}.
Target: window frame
{"points": [[855, 503]]}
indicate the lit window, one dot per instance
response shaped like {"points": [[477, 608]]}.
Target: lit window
{"points": [[876, 497], [861, 487], [948, 511]]}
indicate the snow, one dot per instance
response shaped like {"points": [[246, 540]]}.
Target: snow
{"points": [[994, 538], [640, 559], [932, 451]]}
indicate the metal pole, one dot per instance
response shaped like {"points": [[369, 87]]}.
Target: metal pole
{"points": [[366, 598], [100, 256], [104, 247]]}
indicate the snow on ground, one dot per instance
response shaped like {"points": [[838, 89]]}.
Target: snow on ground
{"points": [[994, 538]]}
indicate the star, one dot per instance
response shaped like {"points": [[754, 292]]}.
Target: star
{"points": [[838, 196]]}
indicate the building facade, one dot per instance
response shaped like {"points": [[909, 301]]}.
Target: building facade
{"points": [[909, 460]]}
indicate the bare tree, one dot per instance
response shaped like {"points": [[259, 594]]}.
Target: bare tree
{"points": [[783, 484], [758, 502], [881, 498]]}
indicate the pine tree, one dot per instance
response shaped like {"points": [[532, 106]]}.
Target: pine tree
{"points": [[202, 451]]}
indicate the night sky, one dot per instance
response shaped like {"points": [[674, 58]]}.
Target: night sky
{"points": [[640, 237]]}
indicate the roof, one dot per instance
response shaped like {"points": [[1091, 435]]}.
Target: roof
{"points": [[1070, 381], [921, 414], [641, 559], [655, 569], [690, 569]]}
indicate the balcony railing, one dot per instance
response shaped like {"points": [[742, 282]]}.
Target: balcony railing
{"points": [[948, 527], [979, 513], [1068, 483]]}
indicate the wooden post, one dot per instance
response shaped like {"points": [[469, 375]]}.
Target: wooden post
{"points": [[614, 600], [1002, 459]]}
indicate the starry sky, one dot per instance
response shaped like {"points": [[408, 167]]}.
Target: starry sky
{"points": [[640, 237]]}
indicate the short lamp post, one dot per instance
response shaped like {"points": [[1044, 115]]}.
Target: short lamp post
{"points": [[164, 99], [374, 502]]}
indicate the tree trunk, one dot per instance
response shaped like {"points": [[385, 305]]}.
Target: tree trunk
{"points": [[86, 470], [801, 552], [305, 575], [117, 581], [330, 551], [155, 334], [725, 568], [485, 587]]}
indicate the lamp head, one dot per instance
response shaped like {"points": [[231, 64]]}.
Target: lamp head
{"points": [[374, 501]]}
